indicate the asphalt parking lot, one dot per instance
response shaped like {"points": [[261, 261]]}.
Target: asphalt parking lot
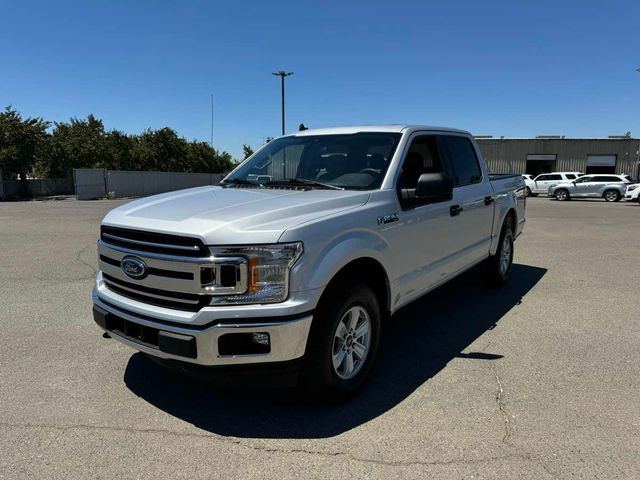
{"points": [[539, 379]]}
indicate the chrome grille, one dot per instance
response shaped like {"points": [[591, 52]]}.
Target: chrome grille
{"points": [[181, 272], [154, 242], [153, 296]]}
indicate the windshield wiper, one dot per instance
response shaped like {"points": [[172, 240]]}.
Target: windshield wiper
{"points": [[302, 181], [239, 181]]}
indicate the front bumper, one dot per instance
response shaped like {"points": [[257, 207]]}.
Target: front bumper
{"points": [[200, 344]]}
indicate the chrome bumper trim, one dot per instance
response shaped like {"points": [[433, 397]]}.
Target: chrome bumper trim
{"points": [[288, 338]]}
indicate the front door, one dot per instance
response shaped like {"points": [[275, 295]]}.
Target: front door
{"points": [[583, 186], [422, 236]]}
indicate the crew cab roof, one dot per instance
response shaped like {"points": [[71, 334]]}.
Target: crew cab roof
{"points": [[399, 128]]}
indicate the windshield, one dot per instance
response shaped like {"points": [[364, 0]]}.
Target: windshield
{"points": [[352, 161]]}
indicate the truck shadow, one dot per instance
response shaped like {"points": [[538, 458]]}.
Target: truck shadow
{"points": [[417, 343]]}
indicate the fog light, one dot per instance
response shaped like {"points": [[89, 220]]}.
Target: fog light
{"points": [[260, 338]]}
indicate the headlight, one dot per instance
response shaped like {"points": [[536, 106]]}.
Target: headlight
{"points": [[631, 188], [268, 269]]}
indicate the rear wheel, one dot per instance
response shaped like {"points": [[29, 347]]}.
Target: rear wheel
{"points": [[496, 269], [611, 195], [343, 341], [562, 194]]}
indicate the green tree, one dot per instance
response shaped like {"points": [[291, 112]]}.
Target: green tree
{"points": [[247, 151], [21, 143], [119, 152], [84, 143], [77, 144], [161, 150], [203, 158]]}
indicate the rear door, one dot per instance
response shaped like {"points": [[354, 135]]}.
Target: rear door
{"points": [[595, 187], [474, 194]]}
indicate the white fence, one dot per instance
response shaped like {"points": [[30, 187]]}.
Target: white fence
{"points": [[93, 183]]}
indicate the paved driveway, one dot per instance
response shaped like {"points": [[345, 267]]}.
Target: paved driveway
{"points": [[540, 379]]}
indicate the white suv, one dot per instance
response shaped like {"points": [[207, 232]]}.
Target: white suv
{"points": [[542, 182], [633, 193]]}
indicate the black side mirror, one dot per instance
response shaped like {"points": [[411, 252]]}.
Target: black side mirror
{"points": [[434, 187]]}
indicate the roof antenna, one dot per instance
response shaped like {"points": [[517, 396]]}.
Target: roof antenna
{"points": [[302, 128]]}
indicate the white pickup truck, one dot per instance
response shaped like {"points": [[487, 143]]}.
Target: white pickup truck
{"points": [[289, 267]]}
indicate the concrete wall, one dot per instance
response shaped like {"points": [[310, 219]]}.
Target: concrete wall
{"points": [[509, 155], [92, 183], [12, 189]]}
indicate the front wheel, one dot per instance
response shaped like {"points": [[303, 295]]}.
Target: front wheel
{"points": [[561, 194], [496, 269], [611, 195], [343, 341], [527, 191]]}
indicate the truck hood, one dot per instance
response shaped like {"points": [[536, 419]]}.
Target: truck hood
{"points": [[232, 216]]}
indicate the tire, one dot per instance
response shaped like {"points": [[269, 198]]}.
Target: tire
{"points": [[496, 269], [611, 196], [527, 191], [331, 344], [562, 195]]}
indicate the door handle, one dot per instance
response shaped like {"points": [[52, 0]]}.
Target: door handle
{"points": [[488, 200], [455, 210]]}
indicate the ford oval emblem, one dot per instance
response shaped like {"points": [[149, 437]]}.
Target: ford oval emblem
{"points": [[134, 267]]}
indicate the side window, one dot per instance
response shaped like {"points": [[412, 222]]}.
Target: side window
{"points": [[464, 162], [423, 156], [542, 178], [554, 177], [570, 176]]}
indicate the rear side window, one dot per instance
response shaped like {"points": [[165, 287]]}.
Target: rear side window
{"points": [[464, 162], [606, 179], [554, 177], [570, 176]]}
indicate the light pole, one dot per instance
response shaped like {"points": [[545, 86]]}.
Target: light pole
{"points": [[637, 179], [282, 74]]}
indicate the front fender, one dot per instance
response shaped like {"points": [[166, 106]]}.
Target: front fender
{"points": [[342, 250]]}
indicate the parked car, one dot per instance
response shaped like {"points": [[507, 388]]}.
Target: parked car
{"points": [[610, 187], [632, 193], [542, 182], [294, 273], [528, 182]]}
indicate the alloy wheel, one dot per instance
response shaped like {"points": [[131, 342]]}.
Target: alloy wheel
{"points": [[351, 342]]}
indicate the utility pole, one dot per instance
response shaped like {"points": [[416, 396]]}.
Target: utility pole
{"points": [[282, 74], [637, 179], [211, 141]]}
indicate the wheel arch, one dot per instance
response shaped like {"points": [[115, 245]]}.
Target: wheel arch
{"points": [[365, 269]]}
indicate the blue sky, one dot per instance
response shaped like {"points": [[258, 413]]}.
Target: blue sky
{"points": [[500, 68]]}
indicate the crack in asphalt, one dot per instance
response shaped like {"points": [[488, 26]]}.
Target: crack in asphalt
{"points": [[502, 407], [264, 449], [508, 428], [94, 270]]}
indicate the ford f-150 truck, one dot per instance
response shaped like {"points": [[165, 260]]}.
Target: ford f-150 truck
{"points": [[291, 264]]}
